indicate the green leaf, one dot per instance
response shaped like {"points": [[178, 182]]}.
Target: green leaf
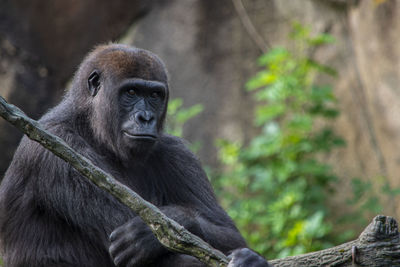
{"points": [[322, 68], [177, 116], [321, 39], [174, 105], [274, 56], [266, 113]]}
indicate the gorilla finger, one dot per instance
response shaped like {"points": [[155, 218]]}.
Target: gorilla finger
{"points": [[129, 226], [114, 235], [128, 255], [246, 257], [117, 233], [138, 260], [118, 246]]}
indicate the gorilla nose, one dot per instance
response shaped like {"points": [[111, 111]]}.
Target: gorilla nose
{"points": [[144, 117]]}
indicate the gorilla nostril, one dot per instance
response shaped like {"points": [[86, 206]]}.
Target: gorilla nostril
{"points": [[144, 116]]}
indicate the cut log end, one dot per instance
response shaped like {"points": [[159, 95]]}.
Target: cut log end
{"points": [[381, 228]]}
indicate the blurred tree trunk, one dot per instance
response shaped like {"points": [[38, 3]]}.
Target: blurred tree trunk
{"points": [[41, 44]]}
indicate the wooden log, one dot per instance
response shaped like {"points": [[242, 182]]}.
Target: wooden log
{"points": [[378, 245]]}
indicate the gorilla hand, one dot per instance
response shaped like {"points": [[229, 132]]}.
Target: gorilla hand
{"points": [[134, 244], [244, 257]]}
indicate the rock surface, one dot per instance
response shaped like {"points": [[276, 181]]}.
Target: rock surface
{"points": [[210, 55]]}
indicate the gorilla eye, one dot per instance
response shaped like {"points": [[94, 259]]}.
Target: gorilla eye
{"points": [[155, 94], [131, 91]]}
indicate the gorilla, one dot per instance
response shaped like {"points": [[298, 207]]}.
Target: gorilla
{"points": [[113, 114]]}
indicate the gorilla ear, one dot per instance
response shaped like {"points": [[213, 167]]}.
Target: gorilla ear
{"points": [[94, 82]]}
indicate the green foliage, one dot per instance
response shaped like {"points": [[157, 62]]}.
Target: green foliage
{"points": [[178, 116], [275, 188]]}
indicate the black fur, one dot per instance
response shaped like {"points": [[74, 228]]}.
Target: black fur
{"points": [[51, 216]]}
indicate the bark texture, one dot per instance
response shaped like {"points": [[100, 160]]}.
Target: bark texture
{"points": [[378, 245]]}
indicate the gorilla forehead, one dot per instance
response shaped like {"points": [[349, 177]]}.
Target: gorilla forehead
{"points": [[121, 61]]}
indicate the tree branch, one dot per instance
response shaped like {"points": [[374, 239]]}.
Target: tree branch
{"points": [[378, 244], [262, 44]]}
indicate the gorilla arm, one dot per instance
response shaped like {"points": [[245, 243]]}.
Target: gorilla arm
{"points": [[61, 190], [188, 199], [63, 216]]}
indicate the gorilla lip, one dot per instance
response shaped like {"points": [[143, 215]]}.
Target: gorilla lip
{"points": [[140, 136]]}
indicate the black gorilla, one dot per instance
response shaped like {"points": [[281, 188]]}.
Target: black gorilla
{"points": [[114, 115]]}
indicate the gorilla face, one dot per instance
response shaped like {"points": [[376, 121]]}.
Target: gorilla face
{"points": [[128, 100], [141, 105]]}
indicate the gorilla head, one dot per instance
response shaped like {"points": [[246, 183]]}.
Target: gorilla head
{"points": [[131, 79]]}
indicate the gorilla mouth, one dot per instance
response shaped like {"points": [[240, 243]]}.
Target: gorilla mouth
{"points": [[141, 136]]}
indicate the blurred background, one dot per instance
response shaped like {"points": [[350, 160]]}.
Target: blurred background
{"points": [[292, 106]]}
